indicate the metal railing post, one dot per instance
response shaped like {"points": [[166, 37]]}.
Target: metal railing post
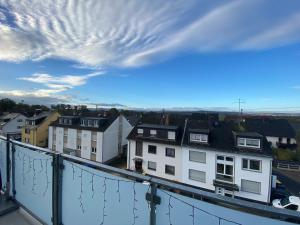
{"points": [[57, 166], [153, 200], [13, 170], [7, 191]]}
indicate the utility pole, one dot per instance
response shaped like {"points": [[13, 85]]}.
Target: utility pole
{"points": [[240, 102]]}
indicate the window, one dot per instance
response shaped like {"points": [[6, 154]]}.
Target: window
{"points": [[250, 186], [197, 175], [96, 123], [170, 152], [170, 170], [27, 131], [151, 149], [251, 164], [78, 147], [19, 127], [152, 132], [171, 135], [151, 165], [139, 148], [140, 131], [195, 156], [90, 122], [60, 120], [248, 142], [225, 167], [19, 120], [203, 138], [94, 150]]}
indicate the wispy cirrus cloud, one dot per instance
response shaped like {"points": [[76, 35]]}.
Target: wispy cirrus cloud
{"points": [[122, 33]]}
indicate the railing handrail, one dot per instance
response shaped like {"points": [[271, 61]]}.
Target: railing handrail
{"points": [[236, 204]]}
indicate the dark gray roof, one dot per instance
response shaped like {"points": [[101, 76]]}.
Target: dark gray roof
{"points": [[40, 115], [271, 127], [157, 126]]}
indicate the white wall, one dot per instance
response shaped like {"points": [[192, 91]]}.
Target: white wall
{"points": [[72, 139], [11, 127], [86, 137], [160, 158], [110, 141], [210, 168], [126, 130], [59, 139], [99, 146], [50, 138]]}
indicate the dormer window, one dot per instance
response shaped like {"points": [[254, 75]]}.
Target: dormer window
{"points": [[171, 135], [90, 123], [248, 142], [60, 120], [152, 132], [140, 131], [96, 123], [82, 122], [201, 138]]}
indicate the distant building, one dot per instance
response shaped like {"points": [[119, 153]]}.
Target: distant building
{"points": [[96, 138], [213, 156], [12, 124], [35, 131], [279, 132]]}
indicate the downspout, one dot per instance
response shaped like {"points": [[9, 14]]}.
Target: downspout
{"points": [[185, 123]]}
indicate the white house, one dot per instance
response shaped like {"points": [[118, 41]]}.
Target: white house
{"points": [[96, 138], [218, 157], [12, 124], [278, 132]]}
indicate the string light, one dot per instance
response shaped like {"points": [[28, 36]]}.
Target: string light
{"points": [[134, 209], [193, 208], [104, 201], [81, 192]]}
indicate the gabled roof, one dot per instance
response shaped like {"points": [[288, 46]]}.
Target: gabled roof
{"points": [[271, 127], [41, 115], [9, 116]]}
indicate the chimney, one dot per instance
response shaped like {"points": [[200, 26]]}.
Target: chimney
{"points": [[167, 119]]}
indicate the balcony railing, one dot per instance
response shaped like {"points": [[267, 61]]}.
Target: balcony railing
{"points": [[62, 189]]}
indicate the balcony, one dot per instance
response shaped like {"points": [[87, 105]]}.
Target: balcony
{"points": [[53, 188]]}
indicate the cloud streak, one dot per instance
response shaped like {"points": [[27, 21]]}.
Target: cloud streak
{"points": [[122, 33]]}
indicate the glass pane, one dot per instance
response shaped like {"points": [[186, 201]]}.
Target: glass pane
{"points": [[170, 170], [254, 165], [219, 157], [198, 156], [252, 142], [250, 186], [33, 182], [197, 175], [91, 196], [220, 168], [229, 170], [245, 163]]}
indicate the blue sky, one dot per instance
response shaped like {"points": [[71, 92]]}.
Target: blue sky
{"points": [[152, 54]]}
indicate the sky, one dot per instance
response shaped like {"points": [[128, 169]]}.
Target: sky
{"points": [[172, 54]]}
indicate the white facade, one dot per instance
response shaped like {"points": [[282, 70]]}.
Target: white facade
{"points": [[209, 167], [13, 126], [283, 140], [206, 168], [159, 158], [89, 144]]}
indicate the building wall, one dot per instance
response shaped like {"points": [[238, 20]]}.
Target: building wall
{"points": [[59, 139], [72, 139], [110, 141], [274, 141], [210, 168], [50, 138], [99, 147], [126, 129], [86, 141], [160, 158], [13, 126]]}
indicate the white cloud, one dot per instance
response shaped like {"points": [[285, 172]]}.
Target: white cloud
{"points": [[55, 86], [132, 33]]}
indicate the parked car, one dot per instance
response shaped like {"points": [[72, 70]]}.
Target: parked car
{"points": [[279, 193], [291, 202]]}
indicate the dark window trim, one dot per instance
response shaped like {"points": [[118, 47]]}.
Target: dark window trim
{"points": [[173, 174], [171, 156]]}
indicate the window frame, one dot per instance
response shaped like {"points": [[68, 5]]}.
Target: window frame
{"points": [[152, 152], [171, 156], [251, 191], [225, 163], [200, 139], [196, 160], [244, 144], [153, 133], [249, 163], [170, 166], [171, 135], [201, 181], [152, 169]]}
